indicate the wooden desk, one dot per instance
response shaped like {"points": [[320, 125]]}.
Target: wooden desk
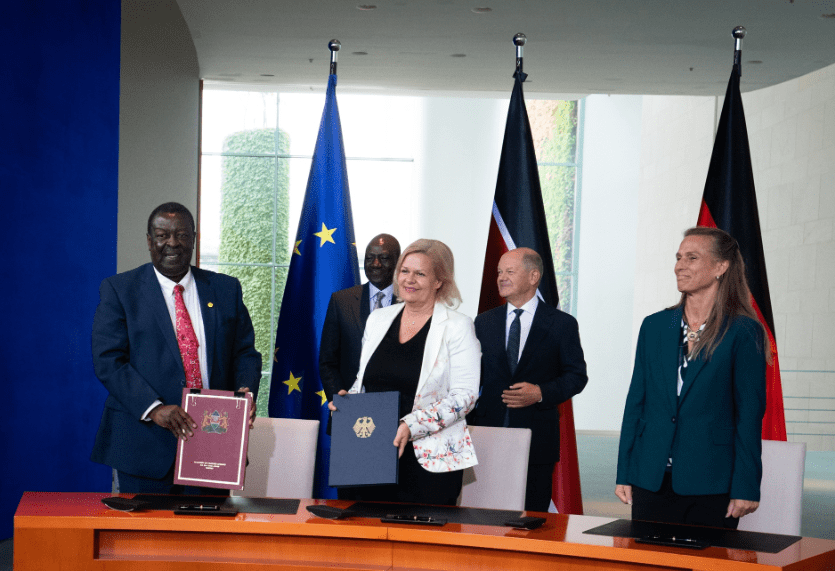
{"points": [[74, 531]]}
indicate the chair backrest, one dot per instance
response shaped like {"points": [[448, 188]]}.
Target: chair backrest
{"points": [[499, 479], [282, 456], [781, 491]]}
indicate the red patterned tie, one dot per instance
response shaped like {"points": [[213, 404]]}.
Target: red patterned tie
{"points": [[187, 341]]}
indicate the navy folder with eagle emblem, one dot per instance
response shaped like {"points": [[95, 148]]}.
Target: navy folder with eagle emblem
{"points": [[362, 439]]}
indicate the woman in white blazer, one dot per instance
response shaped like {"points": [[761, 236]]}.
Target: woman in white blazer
{"points": [[428, 352]]}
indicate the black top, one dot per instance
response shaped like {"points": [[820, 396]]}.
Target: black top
{"points": [[395, 366]]}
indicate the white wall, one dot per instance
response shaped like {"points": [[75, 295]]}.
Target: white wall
{"points": [[457, 168], [791, 129], [608, 215], [158, 121], [676, 141]]}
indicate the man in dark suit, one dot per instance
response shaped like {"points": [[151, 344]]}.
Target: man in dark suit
{"points": [[531, 361], [348, 310], [159, 328]]}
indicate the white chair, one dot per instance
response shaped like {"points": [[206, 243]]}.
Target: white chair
{"points": [[499, 479], [282, 457], [781, 491]]}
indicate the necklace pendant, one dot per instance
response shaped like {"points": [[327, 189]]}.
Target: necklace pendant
{"points": [[693, 336]]}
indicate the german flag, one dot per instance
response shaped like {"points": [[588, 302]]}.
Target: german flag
{"points": [[729, 202]]}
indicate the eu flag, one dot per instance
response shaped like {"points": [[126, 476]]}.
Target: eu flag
{"points": [[324, 260]]}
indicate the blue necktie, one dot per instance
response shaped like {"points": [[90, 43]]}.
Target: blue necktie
{"points": [[514, 338]]}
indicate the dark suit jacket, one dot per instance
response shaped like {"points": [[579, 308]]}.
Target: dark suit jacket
{"points": [[136, 357], [712, 430], [552, 358], [339, 350]]}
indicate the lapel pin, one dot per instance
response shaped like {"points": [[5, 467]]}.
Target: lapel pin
{"points": [[211, 304]]}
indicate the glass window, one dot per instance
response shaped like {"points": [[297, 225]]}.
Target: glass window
{"points": [[555, 127], [256, 154]]}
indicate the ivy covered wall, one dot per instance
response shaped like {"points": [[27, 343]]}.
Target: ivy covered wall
{"points": [[253, 230], [554, 130]]}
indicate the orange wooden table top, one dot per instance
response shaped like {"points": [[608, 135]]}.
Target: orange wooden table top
{"points": [[561, 535]]}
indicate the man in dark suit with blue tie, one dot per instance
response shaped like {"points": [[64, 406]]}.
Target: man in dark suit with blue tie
{"points": [[159, 328], [531, 361], [348, 310]]}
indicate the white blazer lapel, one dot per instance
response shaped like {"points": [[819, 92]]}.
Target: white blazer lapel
{"points": [[434, 339], [376, 334]]}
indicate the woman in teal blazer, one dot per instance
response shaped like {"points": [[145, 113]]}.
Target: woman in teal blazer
{"points": [[690, 448]]}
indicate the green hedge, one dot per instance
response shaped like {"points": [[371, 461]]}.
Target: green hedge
{"points": [[254, 200], [558, 190]]}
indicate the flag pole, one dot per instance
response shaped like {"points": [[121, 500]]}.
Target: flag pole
{"points": [[738, 34], [334, 46], [729, 202], [323, 261], [519, 40]]}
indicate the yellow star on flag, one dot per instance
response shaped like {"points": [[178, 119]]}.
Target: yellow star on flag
{"points": [[325, 235], [296, 248], [292, 384], [324, 398]]}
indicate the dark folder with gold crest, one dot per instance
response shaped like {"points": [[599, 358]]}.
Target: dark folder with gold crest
{"points": [[362, 437]]}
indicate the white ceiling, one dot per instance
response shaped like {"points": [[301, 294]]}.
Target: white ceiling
{"points": [[574, 47]]}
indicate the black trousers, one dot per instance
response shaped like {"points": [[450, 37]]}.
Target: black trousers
{"points": [[415, 485], [667, 506], [538, 488]]}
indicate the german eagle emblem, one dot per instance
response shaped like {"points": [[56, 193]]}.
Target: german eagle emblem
{"points": [[364, 426]]}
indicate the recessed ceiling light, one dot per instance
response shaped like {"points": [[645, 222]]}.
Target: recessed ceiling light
{"points": [[483, 10], [458, 55], [267, 75], [359, 53], [365, 7]]}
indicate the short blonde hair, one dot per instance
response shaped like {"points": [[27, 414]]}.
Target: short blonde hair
{"points": [[443, 265]]}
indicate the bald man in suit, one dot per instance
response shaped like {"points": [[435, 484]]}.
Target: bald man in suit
{"points": [[138, 357], [524, 381]]}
